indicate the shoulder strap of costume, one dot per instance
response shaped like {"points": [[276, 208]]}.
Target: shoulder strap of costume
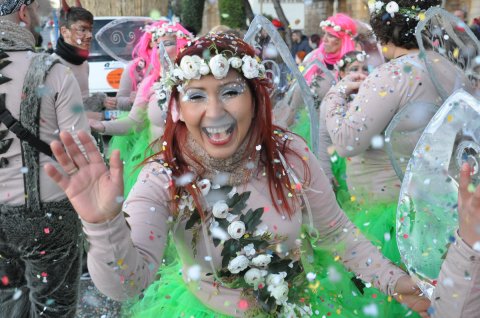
{"points": [[21, 132], [32, 93]]}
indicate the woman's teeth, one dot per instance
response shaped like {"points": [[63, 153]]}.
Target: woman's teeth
{"points": [[219, 133]]}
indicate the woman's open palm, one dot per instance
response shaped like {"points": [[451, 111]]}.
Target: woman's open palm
{"points": [[95, 191]]}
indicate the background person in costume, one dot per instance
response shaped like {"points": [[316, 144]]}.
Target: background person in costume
{"points": [[230, 186], [138, 68], [40, 234], [352, 62], [73, 48], [356, 126], [146, 120]]}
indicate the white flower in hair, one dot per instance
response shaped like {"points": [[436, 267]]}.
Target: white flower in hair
{"points": [[178, 73], [360, 57], [337, 28], [379, 5], [204, 69], [220, 209], [219, 66], [190, 66], [250, 67], [341, 63], [392, 8], [279, 292], [255, 277], [238, 264], [262, 260], [235, 62], [236, 229]]}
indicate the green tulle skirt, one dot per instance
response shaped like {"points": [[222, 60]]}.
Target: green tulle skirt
{"points": [[134, 148], [334, 293]]}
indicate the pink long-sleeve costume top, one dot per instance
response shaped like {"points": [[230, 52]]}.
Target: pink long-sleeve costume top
{"points": [[125, 253]]}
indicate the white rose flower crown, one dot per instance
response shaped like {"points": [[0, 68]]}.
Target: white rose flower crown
{"points": [[218, 65]]}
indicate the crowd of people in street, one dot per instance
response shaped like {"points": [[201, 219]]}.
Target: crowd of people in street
{"points": [[212, 197]]}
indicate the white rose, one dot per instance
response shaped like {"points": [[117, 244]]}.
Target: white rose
{"points": [[379, 5], [276, 279], [219, 66], [250, 249], [204, 186], [360, 57], [236, 229], [238, 264], [337, 28], [190, 68], [249, 67], [178, 74], [262, 260], [204, 69], [235, 62], [279, 292], [340, 63], [392, 8], [220, 209], [255, 277], [323, 24]]}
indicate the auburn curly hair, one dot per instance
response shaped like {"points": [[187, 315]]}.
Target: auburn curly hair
{"points": [[399, 29]]}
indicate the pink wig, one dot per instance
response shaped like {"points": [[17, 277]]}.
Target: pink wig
{"points": [[342, 27], [167, 28], [146, 49]]}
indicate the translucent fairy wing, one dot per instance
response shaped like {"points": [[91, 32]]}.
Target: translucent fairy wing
{"points": [[427, 209], [404, 131], [165, 60], [275, 52], [119, 37], [445, 34]]}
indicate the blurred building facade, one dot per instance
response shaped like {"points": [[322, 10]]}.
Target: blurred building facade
{"points": [[306, 15]]}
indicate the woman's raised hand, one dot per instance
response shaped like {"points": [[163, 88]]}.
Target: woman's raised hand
{"points": [[469, 209], [95, 191], [351, 83]]}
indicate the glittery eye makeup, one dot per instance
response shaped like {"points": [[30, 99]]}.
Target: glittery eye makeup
{"points": [[194, 95], [225, 92], [232, 90]]}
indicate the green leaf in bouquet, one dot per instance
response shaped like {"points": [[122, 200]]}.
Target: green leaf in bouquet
{"points": [[230, 249], [252, 219], [238, 202], [194, 218]]}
